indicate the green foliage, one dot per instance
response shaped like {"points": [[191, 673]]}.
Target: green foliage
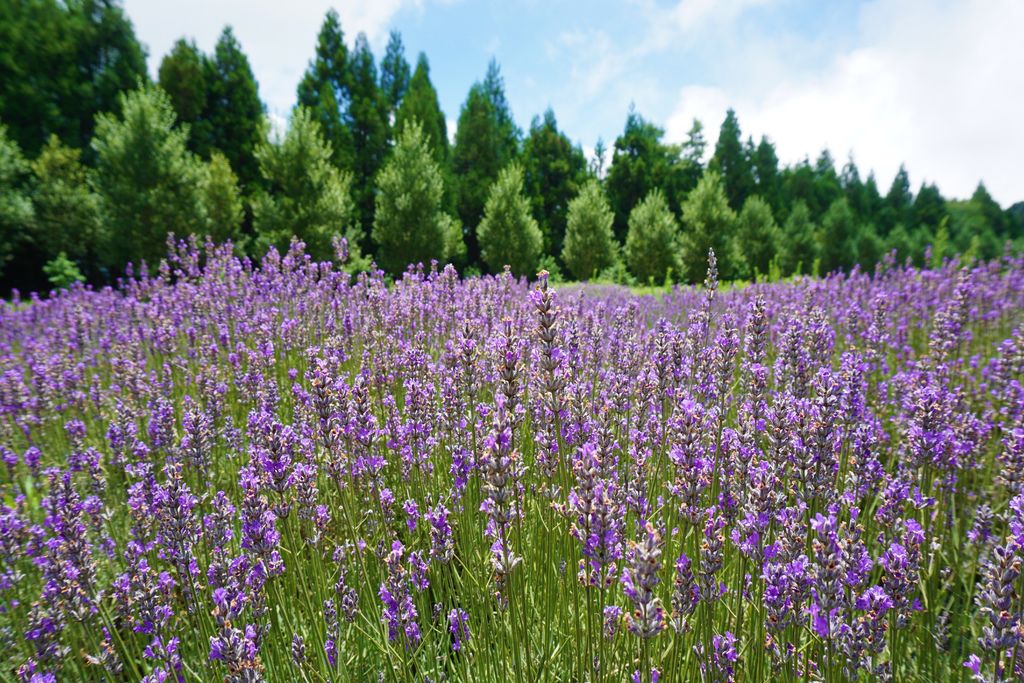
{"points": [[182, 75], [420, 104], [549, 264], [62, 272], [233, 120], [222, 198], [61, 64], [67, 212], [732, 162], [16, 213], [394, 73], [509, 234], [758, 235], [652, 242], [486, 141], [838, 237], [767, 178], [409, 225], [898, 205], [642, 163], [306, 197], [868, 248], [709, 223], [367, 113], [324, 90], [589, 241], [554, 170], [149, 183], [799, 250]]}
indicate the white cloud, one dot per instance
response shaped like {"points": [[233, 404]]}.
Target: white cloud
{"points": [[938, 87], [278, 37]]}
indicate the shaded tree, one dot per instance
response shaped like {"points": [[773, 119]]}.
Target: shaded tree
{"points": [[486, 140], [61, 64], [731, 161], [16, 212], [182, 75], [642, 163], [233, 121], [420, 104], [554, 169], [898, 203], [394, 74], [767, 178], [367, 113], [324, 89]]}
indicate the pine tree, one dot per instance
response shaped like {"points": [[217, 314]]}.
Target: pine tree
{"points": [[767, 179], [652, 243], [67, 211], [838, 241], [929, 207], [508, 234], [420, 104], [16, 214], [554, 170], [149, 183], [589, 241], [758, 235], [731, 161], [324, 90], [709, 223], [307, 196], [394, 74], [222, 199], [799, 251], [898, 202], [410, 225], [367, 113], [642, 163], [234, 122], [182, 75], [486, 140]]}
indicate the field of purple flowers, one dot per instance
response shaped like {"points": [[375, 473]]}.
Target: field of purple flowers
{"points": [[281, 472]]}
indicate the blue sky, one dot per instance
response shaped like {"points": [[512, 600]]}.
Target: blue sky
{"points": [[937, 84]]}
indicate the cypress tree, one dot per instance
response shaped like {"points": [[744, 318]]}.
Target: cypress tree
{"points": [[324, 90]]}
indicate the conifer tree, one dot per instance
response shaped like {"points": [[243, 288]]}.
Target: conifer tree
{"points": [[709, 223], [307, 196], [757, 235], [410, 225], [732, 162], [394, 74], [420, 104], [652, 243], [589, 241], [324, 90], [149, 183], [508, 234], [799, 251], [367, 112], [234, 122]]}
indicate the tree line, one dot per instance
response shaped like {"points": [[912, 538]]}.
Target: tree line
{"points": [[98, 164]]}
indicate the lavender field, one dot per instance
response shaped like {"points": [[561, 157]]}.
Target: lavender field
{"points": [[277, 471]]}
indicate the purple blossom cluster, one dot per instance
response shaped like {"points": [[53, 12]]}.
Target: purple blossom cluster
{"points": [[239, 471]]}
